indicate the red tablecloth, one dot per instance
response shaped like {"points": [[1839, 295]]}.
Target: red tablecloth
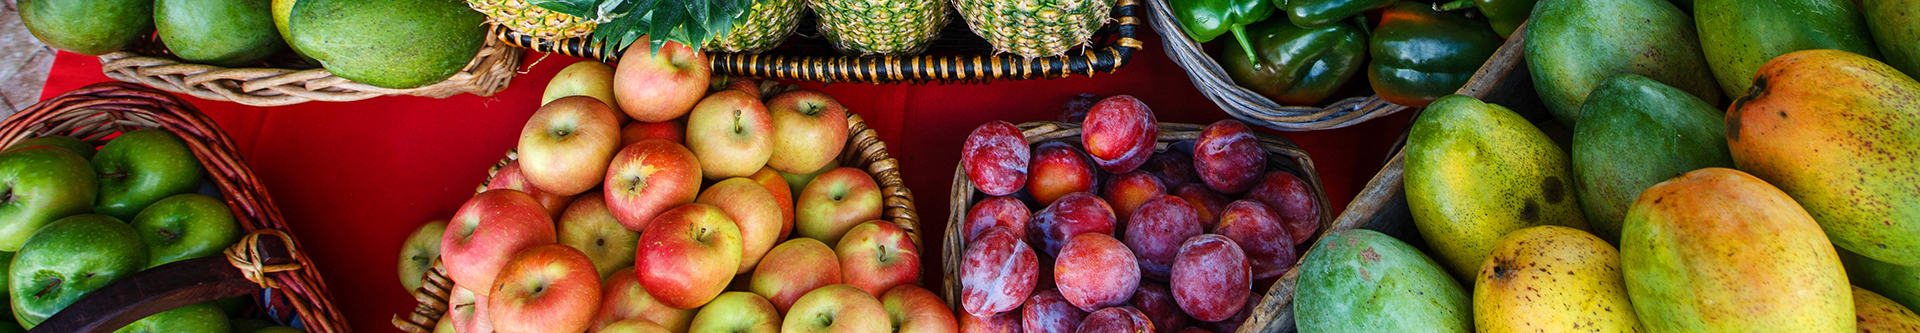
{"points": [[353, 179]]}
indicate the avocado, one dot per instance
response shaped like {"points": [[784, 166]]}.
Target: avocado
{"points": [[386, 43], [229, 33], [90, 27]]}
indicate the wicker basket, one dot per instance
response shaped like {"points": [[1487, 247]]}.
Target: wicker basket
{"points": [[864, 150], [488, 73], [959, 56], [1212, 80], [1283, 155], [96, 113]]}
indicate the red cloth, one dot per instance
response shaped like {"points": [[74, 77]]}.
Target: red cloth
{"points": [[354, 179]]}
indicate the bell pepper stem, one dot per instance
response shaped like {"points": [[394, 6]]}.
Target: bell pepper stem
{"points": [[1240, 33], [1453, 6]]}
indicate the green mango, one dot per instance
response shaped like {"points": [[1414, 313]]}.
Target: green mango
{"points": [[90, 27], [1900, 283], [1476, 171], [1573, 45], [1740, 35], [1635, 132], [231, 33], [1896, 29], [386, 43], [1365, 281], [1878, 314]]}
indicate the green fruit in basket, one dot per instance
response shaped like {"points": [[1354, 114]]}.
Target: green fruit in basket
{"points": [[388, 44], [1896, 30], [6, 260], [1365, 281], [1740, 35], [69, 143], [69, 259], [141, 167], [244, 325], [184, 227], [43, 184], [1573, 45], [90, 27], [419, 252], [230, 33], [197, 318], [1635, 132], [1476, 171]]}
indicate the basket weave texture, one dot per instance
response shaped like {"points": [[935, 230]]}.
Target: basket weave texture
{"points": [[97, 112]]}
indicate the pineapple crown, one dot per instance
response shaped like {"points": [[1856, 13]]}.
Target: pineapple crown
{"points": [[621, 22]]}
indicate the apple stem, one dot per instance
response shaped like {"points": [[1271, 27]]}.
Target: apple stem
{"points": [[113, 175]]}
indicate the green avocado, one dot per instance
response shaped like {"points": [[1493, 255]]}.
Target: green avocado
{"points": [[1572, 45], [90, 27], [1740, 35], [1635, 132], [231, 33], [386, 43]]}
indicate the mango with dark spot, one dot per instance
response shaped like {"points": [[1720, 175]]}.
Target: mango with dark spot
{"points": [[1840, 133], [1717, 250], [1552, 278], [1900, 283], [1876, 313], [1574, 45], [1635, 132], [1740, 35], [1475, 171], [1365, 281]]}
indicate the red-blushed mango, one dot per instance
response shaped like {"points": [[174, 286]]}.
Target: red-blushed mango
{"points": [[1838, 132], [1717, 250], [1877, 314]]}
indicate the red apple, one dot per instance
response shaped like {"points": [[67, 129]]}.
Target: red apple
{"points": [[1127, 191], [837, 308], [510, 177], [1005, 322], [671, 130], [649, 177], [1211, 278], [1059, 169], [688, 255], [1256, 229], [657, 86], [1228, 157], [468, 311], [1205, 201], [835, 202], [877, 256], [809, 129], [1119, 319], [634, 326], [915, 310], [755, 212], [792, 269], [737, 312], [547, 288], [782, 194], [1158, 228], [1072, 215], [589, 78], [1155, 300], [732, 133], [1290, 198], [1119, 133], [996, 211], [588, 226], [487, 231], [567, 144], [623, 298], [997, 273], [738, 83], [995, 158], [1096, 271], [1047, 311]]}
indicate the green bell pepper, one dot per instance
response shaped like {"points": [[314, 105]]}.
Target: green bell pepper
{"points": [[1205, 19], [1504, 15], [1314, 13], [1294, 65], [1420, 54]]}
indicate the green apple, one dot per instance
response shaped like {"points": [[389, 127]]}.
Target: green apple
{"points": [[68, 259], [43, 184], [419, 252], [278, 329], [6, 259], [141, 167], [798, 182], [185, 226], [244, 325], [197, 318], [587, 225], [64, 142], [737, 311]]}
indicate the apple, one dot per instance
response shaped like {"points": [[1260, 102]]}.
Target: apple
{"points": [[45, 183], [567, 144], [185, 226], [913, 309], [835, 202], [589, 226], [201, 317], [443, 326], [623, 298], [877, 256], [738, 83], [1005, 322], [797, 182], [510, 177], [634, 326], [71, 144], [996, 157], [656, 86], [585, 78], [754, 212], [737, 312], [468, 311], [487, 231], [783, 195], [546, 288], [1119, 133], [68, 259], [688, 255], [649, 177], [809, 129], [732, 134], [671, 130], [792, 269], [418, 253], [141, 167], [837, 308]]}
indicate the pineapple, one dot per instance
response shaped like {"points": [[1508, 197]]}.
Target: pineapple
{"points": [[532, 20], [1035, 28], [885, 27], [763, 27]]}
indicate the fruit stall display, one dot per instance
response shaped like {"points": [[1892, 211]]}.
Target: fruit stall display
{"points": [[122, 200]]}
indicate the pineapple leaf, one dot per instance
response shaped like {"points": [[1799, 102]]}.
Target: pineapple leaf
{"points": [[688, 22], [575, 8]]}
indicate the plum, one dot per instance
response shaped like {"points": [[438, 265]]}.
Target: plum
{"points": [[1258, 230], [1047, 311], [1127, 190], [1005, 322], [1156, 301], [1158, 228], [1075, 110], [1232, 324], [997, 273], [995, 156], [1059, 169], [996, 211], [1072, 215], [1175, 168], [1119, 319], [1228, 157], [1289, 197], [1205, 201], [1096, 271], [1119, 133], [1211, 278]]}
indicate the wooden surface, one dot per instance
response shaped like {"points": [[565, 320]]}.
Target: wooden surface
{"points": [[24, 62]]}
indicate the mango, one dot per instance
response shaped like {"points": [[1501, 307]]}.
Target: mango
{"points": [[1841, 134], [1896, 30], [1554, 279], [1879, 314], [1717, 250], [1365, 281], [1899, 283], [385, 43], [1574, 45], [231, 33], [1475, 171], [90, 27], [1635, 132], [1740, 35]]}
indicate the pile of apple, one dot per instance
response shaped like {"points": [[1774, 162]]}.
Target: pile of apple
{"points": [[737, 221], [1130, 239]]}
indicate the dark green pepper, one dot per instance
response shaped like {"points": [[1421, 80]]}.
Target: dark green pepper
{"points": [[1314, 13], [1205, 19], [1294, 65], [1420, 54], [1504, 15]]}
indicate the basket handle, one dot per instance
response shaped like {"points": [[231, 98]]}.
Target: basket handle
{"points": [[177, 284]]}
